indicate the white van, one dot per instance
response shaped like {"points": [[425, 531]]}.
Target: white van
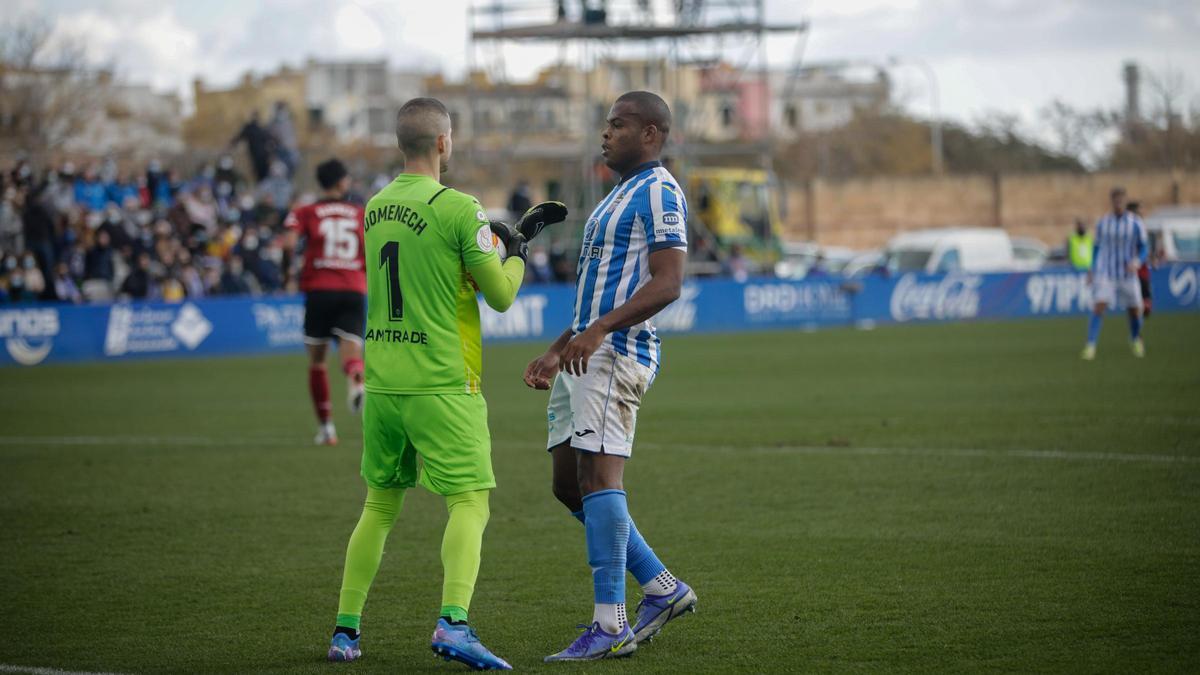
{"points": [[957, 249], [1175, 231]]}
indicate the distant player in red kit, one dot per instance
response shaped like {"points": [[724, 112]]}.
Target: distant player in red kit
{"points": [[334, 283]]}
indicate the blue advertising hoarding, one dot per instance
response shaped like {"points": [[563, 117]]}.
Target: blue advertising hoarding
{"points": [[33, 334]]}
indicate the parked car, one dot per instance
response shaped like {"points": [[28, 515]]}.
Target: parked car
{"points": [[1175, 232], [1029, 254], [942, 251], [864, 263], [797, 258]]}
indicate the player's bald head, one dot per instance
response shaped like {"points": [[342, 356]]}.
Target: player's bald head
{"points": [[649, 108], [419, 123]]}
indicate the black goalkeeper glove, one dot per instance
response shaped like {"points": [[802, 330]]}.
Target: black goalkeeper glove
{"points": [[539, 216], [514, 242]]}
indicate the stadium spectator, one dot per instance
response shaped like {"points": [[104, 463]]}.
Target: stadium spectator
{"points": [[33, 279], [90, 192], [38, 221], [276, 189], [736, 264], [98, 264], [519, 201], [283, 132], [65, 288], [259, 145], [139, 284], [539, 270], [236, 280], [11, 227]]}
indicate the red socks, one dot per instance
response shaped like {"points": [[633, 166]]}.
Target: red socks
{"points": [[318, 387], [353, 368]]}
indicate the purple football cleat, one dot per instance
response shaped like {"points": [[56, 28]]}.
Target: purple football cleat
{"points": [[654, 611], [342, 648], [594, 643], [460, 643]]}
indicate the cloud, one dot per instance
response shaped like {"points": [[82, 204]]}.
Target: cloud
{"points": [[989, 54]]}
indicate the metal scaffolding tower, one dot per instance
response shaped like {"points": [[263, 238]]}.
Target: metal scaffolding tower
{"points": [[672, 32]]}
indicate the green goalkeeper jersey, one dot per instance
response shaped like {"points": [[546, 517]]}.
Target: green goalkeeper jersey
{"points": [[425, 242]]}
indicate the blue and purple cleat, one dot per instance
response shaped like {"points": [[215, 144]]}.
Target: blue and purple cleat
{"points": [[594, 643], [460, 643], [342, 648], [654, 611]]}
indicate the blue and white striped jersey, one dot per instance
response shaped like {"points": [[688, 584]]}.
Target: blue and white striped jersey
{"points": [[1119, 240], [645, 212]]}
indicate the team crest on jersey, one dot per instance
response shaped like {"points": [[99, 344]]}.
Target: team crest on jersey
{"points": [[615, 202], [589, 230], [484, 238]]}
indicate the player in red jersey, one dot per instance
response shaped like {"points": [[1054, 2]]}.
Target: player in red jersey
{"points": [[334, 283]]}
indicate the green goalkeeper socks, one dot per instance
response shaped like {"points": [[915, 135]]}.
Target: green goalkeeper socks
{"points": [[461, 546], [365, 551]]}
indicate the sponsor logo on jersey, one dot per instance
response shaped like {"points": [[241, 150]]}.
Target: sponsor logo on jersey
{"points": [[954, 297], [672, 224], [29, 333], [481, 216], [589, 230], [483, 237], [615, 202]]}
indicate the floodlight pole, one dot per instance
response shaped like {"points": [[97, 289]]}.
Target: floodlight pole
{"points": [[935, 122]]}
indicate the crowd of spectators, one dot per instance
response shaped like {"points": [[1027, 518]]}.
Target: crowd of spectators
{"points": [[94, 233]]}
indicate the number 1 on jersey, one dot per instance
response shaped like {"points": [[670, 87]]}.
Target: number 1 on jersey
{"points": [[389, 257]]}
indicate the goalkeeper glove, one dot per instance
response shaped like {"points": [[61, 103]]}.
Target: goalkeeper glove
{"points": [[514, 242], [539, 216]]}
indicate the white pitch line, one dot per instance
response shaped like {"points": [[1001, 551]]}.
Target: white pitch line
{"points": [[1060, 455], [146, 440], [31, 670], [940, 452]]}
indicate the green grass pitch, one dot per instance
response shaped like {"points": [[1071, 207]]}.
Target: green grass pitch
{"points": [[914, 498]]}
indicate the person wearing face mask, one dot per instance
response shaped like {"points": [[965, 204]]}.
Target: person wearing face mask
{"points": [[65, 288], [15, 280], [35, 281]]}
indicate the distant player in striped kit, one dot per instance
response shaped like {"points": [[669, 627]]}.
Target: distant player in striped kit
{"points": [[630, 268], [1120, 251]]}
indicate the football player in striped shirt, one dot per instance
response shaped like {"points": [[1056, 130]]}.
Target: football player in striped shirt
{"points": [[1119, 252], [630, 267]]}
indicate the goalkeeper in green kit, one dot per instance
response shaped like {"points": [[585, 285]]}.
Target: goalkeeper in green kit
{"points": [[426, 244]]}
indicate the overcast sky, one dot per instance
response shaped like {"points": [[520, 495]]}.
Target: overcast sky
{"points": [[988, 55]]}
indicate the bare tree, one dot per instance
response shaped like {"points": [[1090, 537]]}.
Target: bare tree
{"points": [[1082, 134], [47, 91]]}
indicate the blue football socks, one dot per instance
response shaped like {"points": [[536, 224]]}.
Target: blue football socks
{"points": [[606, 520], [1135, 327], [640, 559], [1094, 328]]}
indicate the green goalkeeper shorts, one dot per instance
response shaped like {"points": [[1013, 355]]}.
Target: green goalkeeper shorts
{"points": [[448, 431]]}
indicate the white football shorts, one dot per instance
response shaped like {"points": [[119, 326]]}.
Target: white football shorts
{"points": [[1117, 293], [597, 411]]}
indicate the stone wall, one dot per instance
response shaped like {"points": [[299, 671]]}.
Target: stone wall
{"points": [[864, 213]]}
